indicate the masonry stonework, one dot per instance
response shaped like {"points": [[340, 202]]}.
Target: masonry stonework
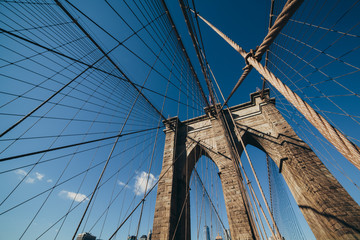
{"points": [[329, 210]]}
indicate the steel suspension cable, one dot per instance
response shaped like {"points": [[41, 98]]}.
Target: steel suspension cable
{"points": [[261, 225], [153, 151], [271, 15], [275, 233], [186, 55], [104, 53], [62, 173], [211, 202], [102, 184], [289, 9], [248, 183], [60, 183], [333, 135], [198, 53], [143, 199], [178, 39], [321, 141], [323, 94], [324, 28], [122, 128]]}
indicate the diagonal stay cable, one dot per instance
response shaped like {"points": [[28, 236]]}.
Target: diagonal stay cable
{"points": [[332, 134], [289, 9], [155, 184], [79, 62], [150, 190], [126, 184], [116, 173], [88, 67], [73, 59], [153, 150], [48, 36], [63, 156], [324, 28], [197, 50], [17, 96], [73, 145], [315, 87], [108, 57], [212, 204], [128, 115], [66, 167], [39, 27], [43, 155], [67, 180], [182, 50], [100, 186], [271, 16], [186, 55], [323, 36], [104, 168]]}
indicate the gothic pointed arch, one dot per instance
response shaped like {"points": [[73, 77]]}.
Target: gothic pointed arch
{"points": [[329, 210]]}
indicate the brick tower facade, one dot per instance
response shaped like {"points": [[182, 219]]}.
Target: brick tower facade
{"points": [[329, 210]]}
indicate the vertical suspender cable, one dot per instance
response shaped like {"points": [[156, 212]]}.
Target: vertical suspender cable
{"points": [[267, 50], [348, 149], [108, 57], [128, 115], [277, 232], [289, 9], [186, 55], [198, 54]]}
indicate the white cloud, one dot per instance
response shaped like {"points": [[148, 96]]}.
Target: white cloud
{"points": [[77, 197], [34, 177], [39, 176], [120, 183], [49, 180], [140, 182], [30, 180], [20, 172]]}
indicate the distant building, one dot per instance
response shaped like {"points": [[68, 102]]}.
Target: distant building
{"points": [[218, 237], [131, 238], [206, 233], [143, 237], [85, 236]]}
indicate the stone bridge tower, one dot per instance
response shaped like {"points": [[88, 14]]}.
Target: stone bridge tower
{"points": [[329, 210]]}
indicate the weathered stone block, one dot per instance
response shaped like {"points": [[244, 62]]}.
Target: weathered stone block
{"points": [[327, 207]]}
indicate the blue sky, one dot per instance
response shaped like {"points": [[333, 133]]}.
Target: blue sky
{"points": [[251, 27], [96, 104]]}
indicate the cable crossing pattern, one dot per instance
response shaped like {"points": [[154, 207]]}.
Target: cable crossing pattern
{"points": [[87, 89]]}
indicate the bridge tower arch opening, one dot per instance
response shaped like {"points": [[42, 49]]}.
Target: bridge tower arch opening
{"points": [[329, 210], [207, 205]]}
